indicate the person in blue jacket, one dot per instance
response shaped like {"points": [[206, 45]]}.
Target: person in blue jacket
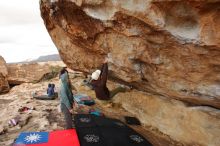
{"points": [[50, 90]]}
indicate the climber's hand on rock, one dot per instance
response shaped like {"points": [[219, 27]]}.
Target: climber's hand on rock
{"points": [[106, 60]]}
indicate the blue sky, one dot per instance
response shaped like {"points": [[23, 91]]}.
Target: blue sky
{"points": [[22, 32]]}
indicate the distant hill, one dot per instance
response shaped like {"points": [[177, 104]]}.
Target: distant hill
{"points": [[53, 57]]}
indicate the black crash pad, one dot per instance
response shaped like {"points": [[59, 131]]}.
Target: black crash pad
{"points": [[84, 120], [102, 131]]}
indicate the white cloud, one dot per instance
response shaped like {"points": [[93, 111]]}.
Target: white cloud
{"points": [[22, 31]]}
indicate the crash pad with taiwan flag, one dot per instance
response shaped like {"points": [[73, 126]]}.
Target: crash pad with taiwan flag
{"points": [[54, 138]]}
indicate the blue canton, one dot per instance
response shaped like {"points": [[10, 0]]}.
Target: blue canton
{"points": [[32, 138]]}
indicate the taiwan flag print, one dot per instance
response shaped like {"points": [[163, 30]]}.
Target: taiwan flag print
{"points": [[55, 138]]}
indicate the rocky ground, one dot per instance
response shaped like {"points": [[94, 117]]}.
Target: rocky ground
{"points": [[45, 115]]}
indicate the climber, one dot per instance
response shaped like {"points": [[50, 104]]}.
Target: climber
{"points": [[99, 80]]}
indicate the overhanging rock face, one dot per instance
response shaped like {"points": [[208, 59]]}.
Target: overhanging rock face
{"points": [[169, 48], [4, 86]]}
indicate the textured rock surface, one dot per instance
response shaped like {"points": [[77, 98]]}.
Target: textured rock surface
{"points": [[31, 72], [187, 125], [169, 48], [4, 87]]}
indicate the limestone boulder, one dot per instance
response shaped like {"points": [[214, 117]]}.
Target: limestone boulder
{"points": [[32, 72], [4, 86], [190, 126], [170, 48]]}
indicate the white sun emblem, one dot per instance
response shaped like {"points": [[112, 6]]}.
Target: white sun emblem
{"points": [[32, 138], [136, 138]]}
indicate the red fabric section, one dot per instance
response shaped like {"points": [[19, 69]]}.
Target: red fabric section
{"points": [[64, 138]]}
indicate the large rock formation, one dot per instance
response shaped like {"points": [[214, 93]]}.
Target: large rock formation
{"points": [[168, 48], [191, 126], [4, 87], [32, 72]]}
